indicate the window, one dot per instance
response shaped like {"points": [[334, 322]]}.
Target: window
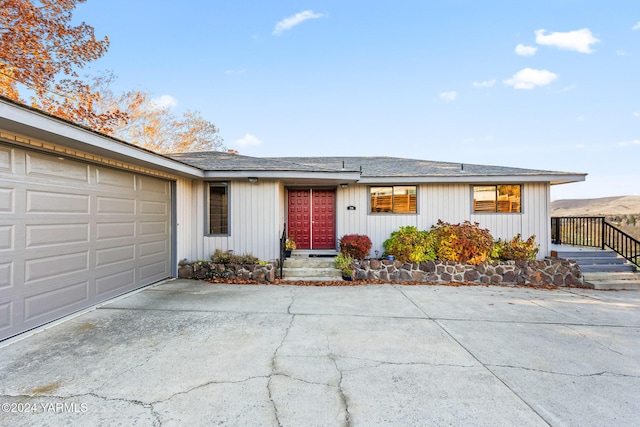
{"points": [[497, 198], [398, 199], [218, 208]]}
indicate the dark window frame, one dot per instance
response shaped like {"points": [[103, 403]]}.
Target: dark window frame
{"points": [[222, 227]]}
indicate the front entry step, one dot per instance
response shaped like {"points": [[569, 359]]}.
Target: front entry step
{"points": [[304, 268]]}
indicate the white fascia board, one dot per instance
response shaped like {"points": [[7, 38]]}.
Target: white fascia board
{"points": [[33, 124], [554, 179], [350, 177]]}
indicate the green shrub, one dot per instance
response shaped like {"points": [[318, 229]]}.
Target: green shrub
{"points": [[355, 245], [515, 249], [410, 245], [220, 257], [465, 242], [343, 263]]}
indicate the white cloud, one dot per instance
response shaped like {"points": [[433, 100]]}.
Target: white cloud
{"points": [[524, 50], [292, 21], [248, 140], [528, 78], [449, 96], [486, 83], [621, 52], [578, 40], [636, 113], [636, 27], [629, 143], [580, 119], [164, 101]]}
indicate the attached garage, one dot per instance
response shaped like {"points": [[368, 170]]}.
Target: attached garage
{"points": [[75, 233]]}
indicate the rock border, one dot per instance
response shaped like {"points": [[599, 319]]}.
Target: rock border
{"points": [[207, 270], [545, 272]]}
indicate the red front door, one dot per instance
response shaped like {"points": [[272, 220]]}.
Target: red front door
{"points": [[311, 218]]}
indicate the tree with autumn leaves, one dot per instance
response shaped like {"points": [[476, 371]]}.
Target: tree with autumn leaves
{"points": [[42, 52]]}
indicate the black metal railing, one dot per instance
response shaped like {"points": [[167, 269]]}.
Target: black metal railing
{"points": [[594, 231], [283, 247]]}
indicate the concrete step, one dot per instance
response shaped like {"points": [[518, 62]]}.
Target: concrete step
{"points": [[311, 271], [313, 279], [300, 262], [597, 260], [586, 253], [310, 268], [612, 281], [612, 268]]}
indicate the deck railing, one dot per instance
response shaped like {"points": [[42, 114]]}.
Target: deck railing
{"points": [[594, 231]]}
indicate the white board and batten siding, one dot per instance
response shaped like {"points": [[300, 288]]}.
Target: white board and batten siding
{"points": [[73, 234], [450, 203], [256, 218]]}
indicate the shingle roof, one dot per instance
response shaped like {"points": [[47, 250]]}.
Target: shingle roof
{"points": [[370, 167], [223, 161], [376, 167]]}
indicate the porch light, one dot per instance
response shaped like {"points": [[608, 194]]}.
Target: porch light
{"points": [[344, 185], [253, 179]]}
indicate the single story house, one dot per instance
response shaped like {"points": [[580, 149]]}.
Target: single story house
{"points": [[85, 217]]}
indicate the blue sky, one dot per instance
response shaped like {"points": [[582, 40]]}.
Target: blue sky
{"points": [[551, 84]]}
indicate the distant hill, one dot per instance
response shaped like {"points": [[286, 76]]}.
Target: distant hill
{"points": [[623, 211], [604, 206]]}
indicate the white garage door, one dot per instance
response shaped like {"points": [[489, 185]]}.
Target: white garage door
{"points": [[73, 234]]}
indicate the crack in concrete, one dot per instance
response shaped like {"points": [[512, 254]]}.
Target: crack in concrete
{"points": [[596, 374], [488, 368], [343, 397], [378, 363], [274, 368], [582, 334]]}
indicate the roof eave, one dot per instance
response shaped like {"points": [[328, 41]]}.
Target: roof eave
{"points": [[347, 177], [551, 178], [33, 124]]}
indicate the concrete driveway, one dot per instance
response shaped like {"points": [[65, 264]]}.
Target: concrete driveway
{"points": [[191, 353]]}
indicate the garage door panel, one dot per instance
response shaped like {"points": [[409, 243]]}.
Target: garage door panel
{"points": [[152, 248], [6, 275], [7, 200], [55, 301], [110, 178], [115, 282], [6, 159], [150, 207], [153, 185], [106, 231], [56, 168], [45, 202], [153, 228], [44, 235], [47, 268], [6, 237], [69, 240], [154, 271], [6, 316], [115, 206], [114, 255]]}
